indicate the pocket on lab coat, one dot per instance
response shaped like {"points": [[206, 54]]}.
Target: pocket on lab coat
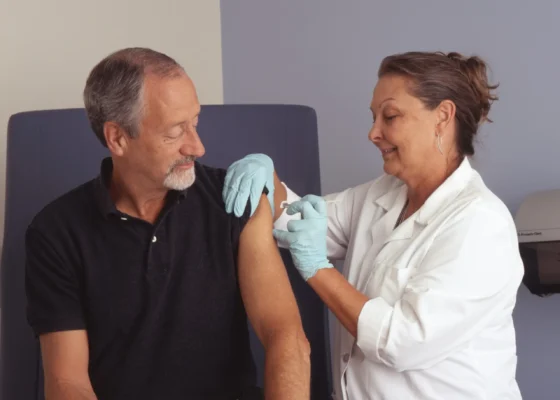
{"points": [[388, 281]]}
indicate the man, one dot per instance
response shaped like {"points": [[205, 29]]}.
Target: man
{"points": [[139, 283]]}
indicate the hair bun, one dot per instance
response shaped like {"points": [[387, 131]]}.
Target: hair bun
{"points": [[476, 71]]}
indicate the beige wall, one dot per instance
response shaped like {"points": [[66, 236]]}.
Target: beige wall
{"points": [[47, 48]]}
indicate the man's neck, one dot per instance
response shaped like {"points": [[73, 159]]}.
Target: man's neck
{"points": [[136, 199]]}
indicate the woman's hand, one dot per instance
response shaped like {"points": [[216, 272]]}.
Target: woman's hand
{"points": [[307, 238], [307, 241], [246, 180]]}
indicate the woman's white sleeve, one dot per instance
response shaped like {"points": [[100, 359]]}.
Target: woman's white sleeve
{"points": [[467, 282]]}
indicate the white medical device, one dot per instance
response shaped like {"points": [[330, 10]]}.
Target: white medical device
{"points": [[538, 232]]}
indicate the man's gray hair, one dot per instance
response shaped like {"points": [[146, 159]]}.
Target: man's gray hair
{"points": [[114, 87]]}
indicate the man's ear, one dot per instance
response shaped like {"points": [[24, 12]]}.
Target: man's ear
{"points": [[116, 138], [445, 116]]}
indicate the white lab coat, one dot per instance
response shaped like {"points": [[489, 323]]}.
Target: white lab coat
{"points": [[442, 287]]}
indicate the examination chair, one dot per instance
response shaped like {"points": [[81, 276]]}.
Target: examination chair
{"points": [[50, 152]]}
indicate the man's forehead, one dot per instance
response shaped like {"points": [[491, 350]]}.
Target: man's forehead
{"points": [[171, 92], [171, 84]]}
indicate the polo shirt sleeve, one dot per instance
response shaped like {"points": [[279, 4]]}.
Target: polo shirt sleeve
{"points": [[238, 224], [52, 287], [214, 178]]}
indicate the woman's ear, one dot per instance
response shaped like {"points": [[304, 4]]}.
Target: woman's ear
{"points": [[445, 116]]}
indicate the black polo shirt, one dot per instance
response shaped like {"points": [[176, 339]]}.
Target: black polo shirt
{"points": [[160, 302]]}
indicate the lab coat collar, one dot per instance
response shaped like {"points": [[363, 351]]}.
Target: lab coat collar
{"points": [[442, 196], [389, 199], [392, 202], [445, 193]]}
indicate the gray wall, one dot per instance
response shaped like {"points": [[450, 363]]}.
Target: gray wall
{"points": [[325, 53]]}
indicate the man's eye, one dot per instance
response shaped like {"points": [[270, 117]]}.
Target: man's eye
{"points": [[174, 135], [390, 117]]}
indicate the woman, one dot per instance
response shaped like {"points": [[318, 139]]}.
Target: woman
{"points": [[431, 263]]}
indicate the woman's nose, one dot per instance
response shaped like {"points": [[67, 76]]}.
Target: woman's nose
{"points": [[375, 134]]}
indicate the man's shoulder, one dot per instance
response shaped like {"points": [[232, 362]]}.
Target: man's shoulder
{"points": [[66, 208], [209, 183], [210, 176]]}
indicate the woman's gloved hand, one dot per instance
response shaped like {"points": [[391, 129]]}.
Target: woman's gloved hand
{"points": [[307, 238], [245, 180]]}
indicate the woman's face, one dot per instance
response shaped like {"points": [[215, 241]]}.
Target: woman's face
{"points": [[405, 131]]}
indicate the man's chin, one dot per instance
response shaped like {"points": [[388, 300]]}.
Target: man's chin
{"points": [[180, 181]]}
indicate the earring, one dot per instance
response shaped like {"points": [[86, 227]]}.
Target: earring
{"points": [[438, 142]]}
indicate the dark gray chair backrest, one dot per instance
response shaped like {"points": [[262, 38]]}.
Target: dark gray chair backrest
{"points": [[50, 152]]}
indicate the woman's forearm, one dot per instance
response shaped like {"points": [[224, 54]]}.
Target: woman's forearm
{"points": [[343, 300]]}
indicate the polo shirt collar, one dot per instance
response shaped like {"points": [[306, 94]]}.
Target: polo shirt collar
{"points": [[103, 196]]}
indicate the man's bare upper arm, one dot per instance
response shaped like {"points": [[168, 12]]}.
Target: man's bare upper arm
{"points": [[65, 358], [265, 287]]}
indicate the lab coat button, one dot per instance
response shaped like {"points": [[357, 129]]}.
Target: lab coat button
{"points": [[346, 357]]}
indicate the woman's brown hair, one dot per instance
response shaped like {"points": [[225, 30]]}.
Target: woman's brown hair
{"points": [[436, 76]]}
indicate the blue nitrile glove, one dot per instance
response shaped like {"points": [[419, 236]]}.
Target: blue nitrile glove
{"points": [[246, 180], [307, 238]]}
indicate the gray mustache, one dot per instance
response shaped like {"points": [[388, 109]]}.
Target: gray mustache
{"points": [[182, 161]]}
